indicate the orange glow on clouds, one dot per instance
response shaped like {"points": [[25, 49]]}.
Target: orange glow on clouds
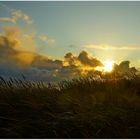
{"points": [[108, 66]]}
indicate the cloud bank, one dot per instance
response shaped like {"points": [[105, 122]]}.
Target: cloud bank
{"points": [[19, 59], [18, 55]]}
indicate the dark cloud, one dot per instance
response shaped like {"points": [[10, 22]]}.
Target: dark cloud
{"points": [[70, 59], [30, 73], [90, 61], [124, 65], [124, 69], [45, 63], [83, 59]]}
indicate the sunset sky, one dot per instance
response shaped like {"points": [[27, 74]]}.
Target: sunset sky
{"points": [[105, 30]]}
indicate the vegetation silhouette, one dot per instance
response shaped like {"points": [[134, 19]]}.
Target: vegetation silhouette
{"points": [[78, 108]]}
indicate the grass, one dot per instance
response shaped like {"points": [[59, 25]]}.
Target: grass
{"points": [[78, 108]]}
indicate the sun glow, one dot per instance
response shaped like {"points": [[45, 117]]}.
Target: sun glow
{"points": [[108, 66]]}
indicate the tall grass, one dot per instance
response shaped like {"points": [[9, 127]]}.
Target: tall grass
{"points": [[76, 108]]}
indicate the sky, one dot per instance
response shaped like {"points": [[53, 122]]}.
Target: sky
{"points": [[105, 30]]}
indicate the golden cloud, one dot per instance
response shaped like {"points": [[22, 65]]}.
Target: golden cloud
{"points": [[24, 58], [12, 46], [12, 52], [109, 47]]}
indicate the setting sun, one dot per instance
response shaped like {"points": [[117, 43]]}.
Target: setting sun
{"points": [[108, 66], [69, 69]]}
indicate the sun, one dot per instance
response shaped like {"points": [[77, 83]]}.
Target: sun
{"points": [[108, 66]]}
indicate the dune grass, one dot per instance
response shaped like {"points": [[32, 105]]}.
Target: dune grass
{"points": [[78, 108]]}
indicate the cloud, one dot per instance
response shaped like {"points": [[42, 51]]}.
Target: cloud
{"points": [[15, 61], [42, 62], [12, 47], [68, 72], [18, 60], [7, 19], [30, 73], [70, 67], [14, 51], [124, 69], [18, 55], [46, 39], [9, 53], [83, 59], [109, 47], [87, 60], [71, 60], [75, 66], [15, 15], [18, 14], [22, 41]]}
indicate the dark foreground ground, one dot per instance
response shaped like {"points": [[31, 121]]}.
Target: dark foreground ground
{"points": [[81, 108]]}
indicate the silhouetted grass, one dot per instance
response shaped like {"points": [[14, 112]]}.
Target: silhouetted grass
{"points": [[77, 108]]}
